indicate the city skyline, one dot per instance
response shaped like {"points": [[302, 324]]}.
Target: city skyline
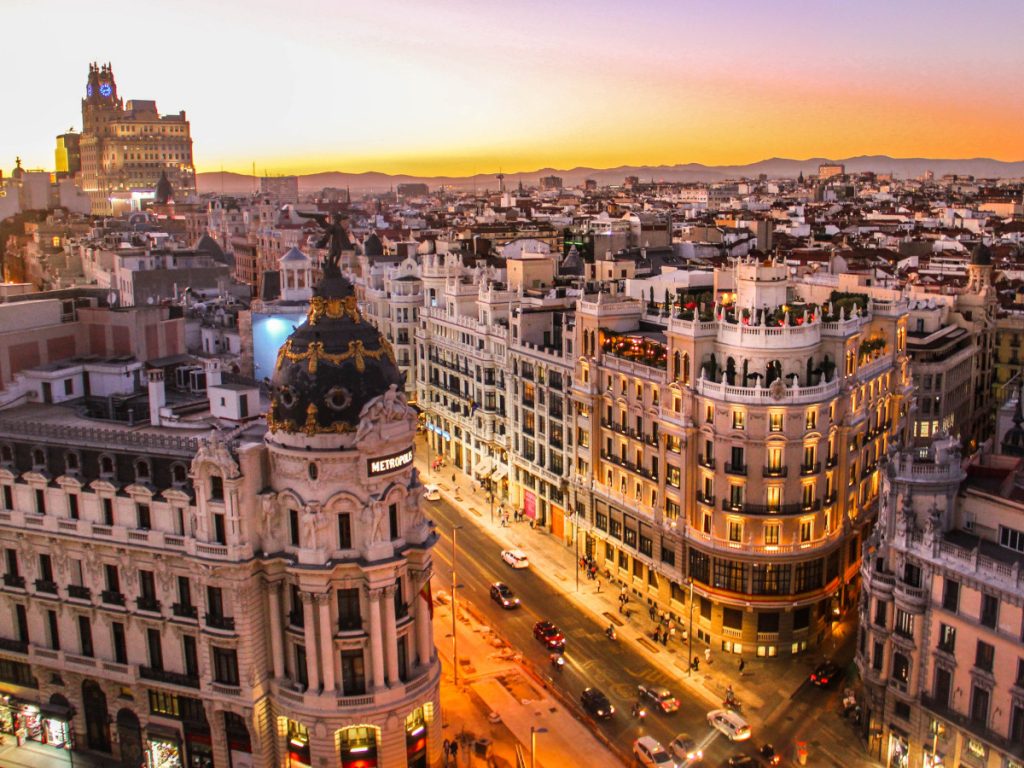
{"points": [[433, 90]]}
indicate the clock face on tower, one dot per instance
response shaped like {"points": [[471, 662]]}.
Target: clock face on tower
{"points": [[88, 90], [105, 90]]}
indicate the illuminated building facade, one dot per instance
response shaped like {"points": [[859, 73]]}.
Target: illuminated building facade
{"points": [[732, 439], [127, 147]]}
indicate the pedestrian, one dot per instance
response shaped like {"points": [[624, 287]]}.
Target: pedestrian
{"points": [[743, 664], [664, 638], [446, 748], [707, 655], [453, 477], [620, 607], [672, 633], [695, 664], [650, 611], [598, 586], [455, 752]]}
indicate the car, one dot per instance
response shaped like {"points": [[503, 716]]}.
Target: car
{"points": [[662, 698], [650, 754], [825, 673], [684, 749], [502, 595], [516, 558], [730, 723], [596, 703], [550, 635], [431, 493]]}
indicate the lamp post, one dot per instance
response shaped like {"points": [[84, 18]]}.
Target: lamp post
{"points": [[689, 633], [533, 744], [576, 545], [455, 610]]}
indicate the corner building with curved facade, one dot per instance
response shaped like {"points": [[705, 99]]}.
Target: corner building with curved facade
{"points": [[728, 443], [258, 597]]}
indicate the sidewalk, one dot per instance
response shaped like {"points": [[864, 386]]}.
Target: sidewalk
{"points": [[764, 687], [493, 680], [33, 755]]}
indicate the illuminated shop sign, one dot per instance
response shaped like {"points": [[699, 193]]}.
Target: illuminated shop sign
{"points": [[386, 464]]}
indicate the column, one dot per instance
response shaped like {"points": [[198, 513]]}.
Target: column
{"points": [[376, 641], [424, 641], [276, 644], [326, 640], [390, 636], [308, 618]]}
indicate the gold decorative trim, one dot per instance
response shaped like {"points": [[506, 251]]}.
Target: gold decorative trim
{"points": [[311, 427], [333, 308], [315, 352]]}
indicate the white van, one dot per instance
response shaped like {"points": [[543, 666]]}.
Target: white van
{"points": [[432, 493], [730, 723]]}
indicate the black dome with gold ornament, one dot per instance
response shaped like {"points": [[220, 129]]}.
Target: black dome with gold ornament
{"points": [[331, 366]]}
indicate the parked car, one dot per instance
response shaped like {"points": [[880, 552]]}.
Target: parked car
{"points": [[502, 595], [825, 673], [650, 754], [684, 749], [432, 493], [596, 703], [730, 723], [550, 635], [661, 698], [516, 558]]}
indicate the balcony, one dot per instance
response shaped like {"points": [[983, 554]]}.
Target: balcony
{"points": [[216, 621], [184, 611], [147, 603], [171, 678], [774, 471], [14, 580], [810, 469], [832, 461], [709, 500], [46, 586], [707, 463], [79, 592], [735, 469], [766, 509], [111, 597], [14, 646]]}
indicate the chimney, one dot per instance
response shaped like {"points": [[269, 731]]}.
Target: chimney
{"points": [[157, 395]]}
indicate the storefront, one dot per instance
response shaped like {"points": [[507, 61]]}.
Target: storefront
{"points": [[416, 740], [298, 746], [530, 504], [359, 747], [47, 724], [199, 748], [899, 751], [56, 722], [163, 748]]}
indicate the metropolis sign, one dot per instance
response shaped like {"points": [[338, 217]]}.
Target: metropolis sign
{"points": [[386, 464]]}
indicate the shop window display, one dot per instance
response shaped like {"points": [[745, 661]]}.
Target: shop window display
{"points": [[163, 752]]}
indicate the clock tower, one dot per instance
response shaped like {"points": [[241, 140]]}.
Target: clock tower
{"points": [[101, 104]]}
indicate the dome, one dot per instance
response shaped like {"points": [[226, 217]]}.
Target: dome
{"points": [[331, 366], [981, 255], [372, 246]]}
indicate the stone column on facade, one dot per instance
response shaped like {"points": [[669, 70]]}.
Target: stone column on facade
{"points": [[390, 636], [376, 640], [326, 640], [424, 632], [309, 621], [218, 735], [276, 641]]}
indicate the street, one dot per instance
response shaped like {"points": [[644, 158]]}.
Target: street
{"points": [[615, 667]]}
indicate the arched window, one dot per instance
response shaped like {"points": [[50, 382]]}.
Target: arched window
{"points": [[179, 475], [142, 470], [71, 461], [686, 368], [106, 465], [38, 457], [677, 365]]}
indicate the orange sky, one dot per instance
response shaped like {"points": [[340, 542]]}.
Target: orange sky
{"points": [[455, 87]]}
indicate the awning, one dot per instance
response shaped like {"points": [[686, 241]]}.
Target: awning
{"points": [[499, 473], [483, 467]]}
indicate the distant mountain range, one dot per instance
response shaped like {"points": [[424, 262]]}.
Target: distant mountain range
{"points": [[776, 167]]}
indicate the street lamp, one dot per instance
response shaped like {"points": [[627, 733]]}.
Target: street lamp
{"points": [[455, 610], [576, 545], [689, 632], [533, 744]]}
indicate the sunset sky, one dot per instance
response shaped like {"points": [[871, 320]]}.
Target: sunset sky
{"points": [[456, 87]]}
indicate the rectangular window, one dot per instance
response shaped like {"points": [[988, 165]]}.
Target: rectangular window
{"points": [[601, 521], [878, 657], [771, 534], [184, 591], [811, 420], [219, 532], [120, 646], [951, 595], [806, 529], [85, 636], [984, 656], [112, 578], [947, 638], [301, 670], [729, 575], [142, 516], [349, 616], [630, 538], [293, 527], [672, 475], [40, 501], [154, 644], [769, 579], [646, 546], [881, 613], [736, 531], [904, 623], [54, 629], [353, 675], [225, 665], [700, 567], [190, 654], [1011, 538], [393, 521], [709, 413], [738, 419], [108, 511], [979, 706], [616, 529], [775, 421], [344, 531], [215, 601], [73, 505], [808, 576], [216, 488], [989, 611]]}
